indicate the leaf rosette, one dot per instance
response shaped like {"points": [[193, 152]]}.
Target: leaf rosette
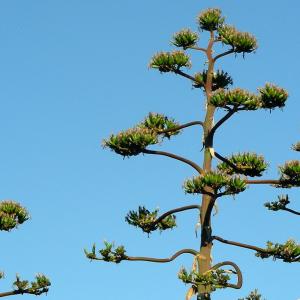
{"points": [[185, 38]]}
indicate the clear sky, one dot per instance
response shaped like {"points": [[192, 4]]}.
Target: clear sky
{"points": [[72, 73]]}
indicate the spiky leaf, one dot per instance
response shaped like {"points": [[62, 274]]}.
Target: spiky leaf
{"points": [[220, 80], [185, 38], [210, 19], [290, 174], [272, 96]]}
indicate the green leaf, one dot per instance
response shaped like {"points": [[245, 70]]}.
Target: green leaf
{"points": [[185, 38], [272, 96], [290, 174], [210, 19]]}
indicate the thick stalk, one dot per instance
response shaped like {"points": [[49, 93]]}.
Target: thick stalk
{"points": [[204, 259]]}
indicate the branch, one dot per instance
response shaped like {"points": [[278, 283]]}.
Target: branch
{"points": [[27, 291], [198, 48], [189, 162], [181, 127], [223, 54], [291, 211], [238, 272], [156, 260], [175, 210], [179, 72], [263, 181], [228, 162], [239, 244]]}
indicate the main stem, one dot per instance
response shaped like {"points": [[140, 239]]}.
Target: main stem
{"points": [[204, 260]]}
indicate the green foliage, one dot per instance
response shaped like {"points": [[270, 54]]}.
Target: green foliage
{"points": [[220, 183], [131, 142], [215, 279], [210, 19], [11, 215], [159, 123], [272, 96], [296, 146], [220, 80], [254, 295], [110, 253], [288, 252], [237, 98], [249, 164], [241, 42], [282, 202], [185, 38], [144, 219], [290, 174], [37, 287], [170, 61]]}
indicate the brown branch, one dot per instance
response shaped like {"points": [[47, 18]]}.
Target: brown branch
{"points": [[228, 162], [181, 127], [198, 48], [263, 181], [239, 244], [223, 54], [238, 272], [174, 156], [27, 291], [179, 72], [175, 210]]}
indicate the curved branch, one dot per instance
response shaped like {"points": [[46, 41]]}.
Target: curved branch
{"points": [[175, 210], [223, 54], [187, 161], [209, 139], [228, 162], [27, 291], [162, 260], [181, 127], [239, 244], [238, 272], [179, 72]]}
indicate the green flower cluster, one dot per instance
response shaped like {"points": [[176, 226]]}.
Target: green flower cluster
{"points": [[272, 96], [160, 124], [221, 184], [220, 80], [290, 174], [109, 253], [296, 146], [241, 42], [37, 287], [288, 252], [210, 19], [282, 202], [254, 295], [170, 61], [269, 97], [133, 141], [249, 164], [11, 215], [185, 38], [144, 219], [215, 279]]}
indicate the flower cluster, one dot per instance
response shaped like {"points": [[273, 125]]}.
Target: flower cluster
{"points": [[185, 38], [109, 253], [269, 97], [215, 279], [145, 219], [288, 252], [282, 202], [249, 164], [241, 42], [11, 215], [37, 287], [170, 61], [254, 295], [210, 19], [296, 146], [221, 184], [290, 174], [220, 80]]}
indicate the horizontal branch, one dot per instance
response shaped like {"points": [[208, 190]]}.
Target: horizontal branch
{"points": [[181, 127], [175, 210], [198, 48], [174, 156], [223, 54], [239, 244], [263, 181], [27, 291], [238, 272], [179, 72]]}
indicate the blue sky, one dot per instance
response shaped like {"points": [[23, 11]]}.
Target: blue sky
{"points": [[72, 73]]}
